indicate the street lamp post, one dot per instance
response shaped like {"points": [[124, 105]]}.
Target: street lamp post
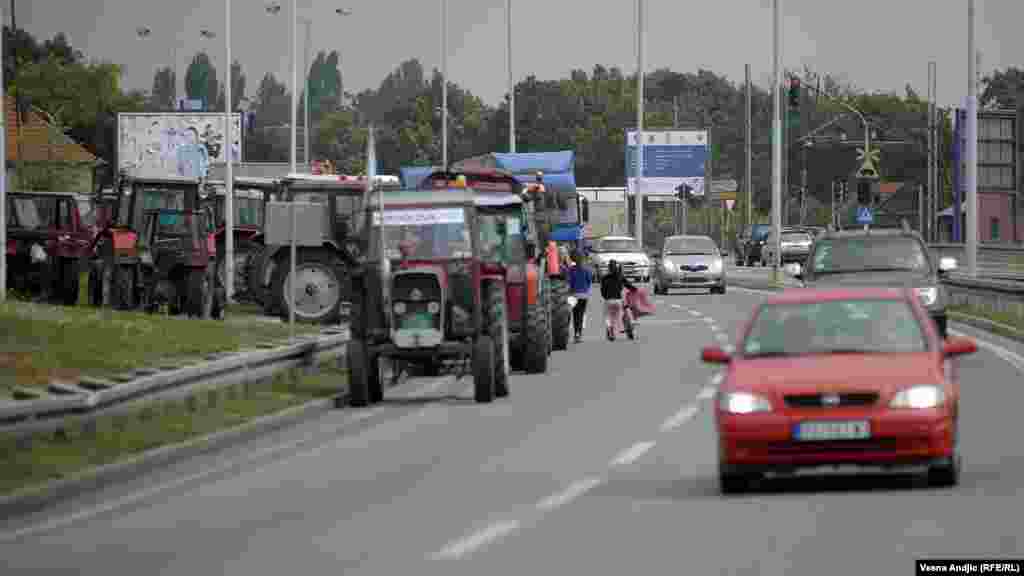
{"points": [[229, 185], [971, 252], [3, 176], [511, 80], [776, 135], [638, 203]]}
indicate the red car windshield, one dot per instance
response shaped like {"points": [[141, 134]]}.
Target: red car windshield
{"points": [[834, 327]]}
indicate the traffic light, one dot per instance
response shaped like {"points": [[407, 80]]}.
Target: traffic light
{"points": [[837, 191], [864, 193], [794, 92]]}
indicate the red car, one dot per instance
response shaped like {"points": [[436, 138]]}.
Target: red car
{"points": [[827, 378]]}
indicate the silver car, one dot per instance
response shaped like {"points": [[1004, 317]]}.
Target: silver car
{"points": [[689, 262]]}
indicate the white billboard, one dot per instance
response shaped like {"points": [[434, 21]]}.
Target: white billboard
{"points": [[175, 143], [671, 158]]}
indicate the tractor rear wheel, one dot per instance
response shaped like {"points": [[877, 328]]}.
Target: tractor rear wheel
{"points": [[561, 314], [199, 298], [319, 284], [483, 369], [69, 281], [497, 328]]}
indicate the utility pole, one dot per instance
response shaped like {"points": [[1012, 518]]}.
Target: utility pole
{"points": [[971, 254], [444, 84], [749, 156], [295, 86], [776, 135], [803, 182]]}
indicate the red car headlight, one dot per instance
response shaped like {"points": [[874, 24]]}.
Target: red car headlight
{"points": [[919, 397], [743, 403]]}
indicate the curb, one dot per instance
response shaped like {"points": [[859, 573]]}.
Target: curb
{"points": [[37, 498]]}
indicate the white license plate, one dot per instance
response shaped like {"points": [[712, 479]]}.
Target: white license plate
{"points": [[855, 430]]}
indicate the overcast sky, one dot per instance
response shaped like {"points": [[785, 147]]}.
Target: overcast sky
{"points": [[875, 44]]}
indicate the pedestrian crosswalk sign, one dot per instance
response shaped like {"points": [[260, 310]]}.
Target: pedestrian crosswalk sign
{"points": [[864, 215]]}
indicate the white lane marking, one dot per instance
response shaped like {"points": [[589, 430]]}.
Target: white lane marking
{"points": [[630, 454], [706, 393], [722, 337], [151, 491], [679, 418], [709, 320], [717, 379], [677, 307], [694, 313], [571, 492], [460, 548], [1014, 359], [753, 290], [662, 302]]}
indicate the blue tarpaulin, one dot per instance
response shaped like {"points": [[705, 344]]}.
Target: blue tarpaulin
{"points": [[530, 162], [567, 234], [413, 176]]}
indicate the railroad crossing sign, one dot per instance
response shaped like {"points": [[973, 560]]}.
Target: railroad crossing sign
{"points": [[869, 162]]}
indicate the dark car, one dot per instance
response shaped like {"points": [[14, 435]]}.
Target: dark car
{"points": [[882, 258], [749, 244]]}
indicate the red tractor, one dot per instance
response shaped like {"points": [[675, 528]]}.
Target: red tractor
{"points": [[46, 242], [158, 249], [500, 195], [430, 289]]}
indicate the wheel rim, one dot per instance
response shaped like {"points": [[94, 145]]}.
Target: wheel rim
{"points": [[318, 290]]}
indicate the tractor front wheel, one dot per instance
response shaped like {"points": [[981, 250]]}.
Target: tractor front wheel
{"points": [[483, 369], [497, 329], [561, 314]]}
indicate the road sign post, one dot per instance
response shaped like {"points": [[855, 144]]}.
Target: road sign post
{"points": [[864, 216]]}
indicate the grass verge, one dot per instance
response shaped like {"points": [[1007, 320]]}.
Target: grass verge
{"points": [[40, 342], [1005, 318], [115, 438]]}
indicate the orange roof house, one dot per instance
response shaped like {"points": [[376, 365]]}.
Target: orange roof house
{"points": [[31, 138]]}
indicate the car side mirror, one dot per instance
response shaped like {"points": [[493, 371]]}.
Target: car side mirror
{"points": [[947, 264], [956, 346], [715, 355], [794, 270]]}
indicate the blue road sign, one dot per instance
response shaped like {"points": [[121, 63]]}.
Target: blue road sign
{"points": [[864, 215]]}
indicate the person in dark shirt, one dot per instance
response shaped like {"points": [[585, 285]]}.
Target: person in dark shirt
{"points": [[580, 281], [612, 286]]}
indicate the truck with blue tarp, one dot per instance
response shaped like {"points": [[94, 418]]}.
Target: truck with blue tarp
{"points": [[559, 214], [412, 176]]}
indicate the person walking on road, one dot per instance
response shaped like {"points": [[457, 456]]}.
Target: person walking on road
{"points": [[611, 290], [580, 281]]}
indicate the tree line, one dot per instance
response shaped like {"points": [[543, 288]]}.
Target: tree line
{"points": [[587, 111]]}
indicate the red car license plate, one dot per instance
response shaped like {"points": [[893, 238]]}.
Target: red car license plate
{"points": [[832, 430]]}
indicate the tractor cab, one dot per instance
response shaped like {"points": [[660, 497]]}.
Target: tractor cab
{"points": [[324, 254], [431, 288], [158, 247]]}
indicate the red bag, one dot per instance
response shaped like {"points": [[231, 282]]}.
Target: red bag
{"points": [[639, 302]]}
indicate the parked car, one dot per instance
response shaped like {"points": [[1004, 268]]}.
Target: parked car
{"points": [[636, 265], [840, 377], [749, 244], [689, 262], [795, 245], [879, 257]]}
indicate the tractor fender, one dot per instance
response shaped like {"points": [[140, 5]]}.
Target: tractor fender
{"points": [[553, 267], [532, 283]]}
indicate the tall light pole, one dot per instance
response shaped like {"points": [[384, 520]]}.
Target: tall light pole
{"points": [[748, 171], [3, 171], [229, 185], [511, 80], [307, 72], [971, 254], [444, 84], [776, 134], [638, 202]]}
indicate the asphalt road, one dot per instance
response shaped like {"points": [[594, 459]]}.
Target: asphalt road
{"points": [[606, 465]]}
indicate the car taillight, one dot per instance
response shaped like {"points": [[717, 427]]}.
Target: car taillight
{"points": [[12, 246]]}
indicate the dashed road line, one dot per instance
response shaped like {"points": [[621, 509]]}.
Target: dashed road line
{"points": [[677, 307], [478, 539], [629, 455], [680, 418], [706, 393], [571, 492], [717, 379], [694, 313]]}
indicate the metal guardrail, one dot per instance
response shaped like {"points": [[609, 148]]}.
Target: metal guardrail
{"points": [[994, 261], [90, 398]]}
